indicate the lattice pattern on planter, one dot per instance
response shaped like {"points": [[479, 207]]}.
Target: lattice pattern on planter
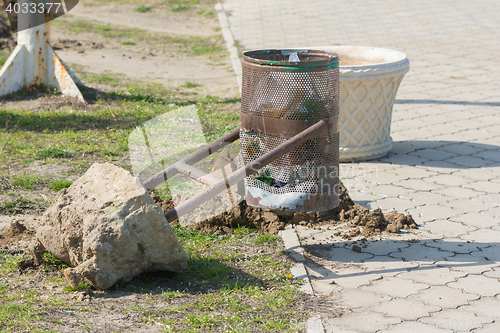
{"points": [[366, 108]]}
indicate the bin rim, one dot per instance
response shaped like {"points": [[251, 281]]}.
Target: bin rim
{"points": [[310, 60]]}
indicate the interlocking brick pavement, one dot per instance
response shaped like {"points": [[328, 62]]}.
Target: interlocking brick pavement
{"points": [[468, 264], [457, 320], [415, 326], [477, 220], [444, 167], [446, 228], [421, 255], [454, 245], [488, 307], [494, 273], [356, 298], [471, 205], [488, 328], [444, 297], [432, 275], [395, 287], [406, 309]]}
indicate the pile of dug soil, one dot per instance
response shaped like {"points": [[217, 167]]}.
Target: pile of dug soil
{"points": [[9, 237], [360, 219]]}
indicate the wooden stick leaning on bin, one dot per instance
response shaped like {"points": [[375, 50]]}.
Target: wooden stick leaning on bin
{"points": [[249, 169]]}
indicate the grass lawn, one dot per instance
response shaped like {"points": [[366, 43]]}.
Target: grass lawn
{"points": [[235, 283], [76, 138]]}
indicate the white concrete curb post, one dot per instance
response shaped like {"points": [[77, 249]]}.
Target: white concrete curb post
{"points": [[34, 62]]}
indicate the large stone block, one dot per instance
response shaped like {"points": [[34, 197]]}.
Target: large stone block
{"points": [[108, 229]]}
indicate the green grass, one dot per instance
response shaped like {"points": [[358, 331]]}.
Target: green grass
{"points": [[81, 286], [205, 12], [17, 315], [103, 131], [60, 184], [50, 263], [191, 84], [183, 5], [52, 153], [110, 31], [251, 293], [8, 263], [4, 55], [190, 45], [21, 205], [105, 30], [206, 49], [200, 46], [108, 79], [22, 308], [143, 9], [26, 91], [266, 238], [27, 182], [247, 294], [190, 5], [225, 288], [173, 294]]}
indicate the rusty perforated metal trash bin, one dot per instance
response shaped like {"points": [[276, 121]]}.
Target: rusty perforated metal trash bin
{"points": [[283, 93]]}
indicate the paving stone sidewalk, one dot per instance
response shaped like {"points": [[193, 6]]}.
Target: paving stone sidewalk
{"points": [[444, 167]]}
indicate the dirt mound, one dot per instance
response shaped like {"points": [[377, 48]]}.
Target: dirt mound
{"points": [[374, 222], [361, 219], [15, 233]]}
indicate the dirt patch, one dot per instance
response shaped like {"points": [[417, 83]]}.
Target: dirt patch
{"points": [[159, 19], [167, 59], [13, 234], [36, 99], [78, 46], [360, 219]]}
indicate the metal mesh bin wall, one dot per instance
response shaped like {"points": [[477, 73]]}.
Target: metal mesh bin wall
{"points": [[283, 93]]}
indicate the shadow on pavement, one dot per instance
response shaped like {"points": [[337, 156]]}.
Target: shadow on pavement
{"points": [[437, 101], [356, 263]]}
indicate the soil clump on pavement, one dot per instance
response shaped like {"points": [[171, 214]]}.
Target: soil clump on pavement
{"points": [[360, 219]]}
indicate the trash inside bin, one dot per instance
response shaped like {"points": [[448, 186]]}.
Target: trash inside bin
{"points": [[283, 93]]}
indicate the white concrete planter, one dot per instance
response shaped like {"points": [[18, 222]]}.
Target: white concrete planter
{"points": [[369, 80]]}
